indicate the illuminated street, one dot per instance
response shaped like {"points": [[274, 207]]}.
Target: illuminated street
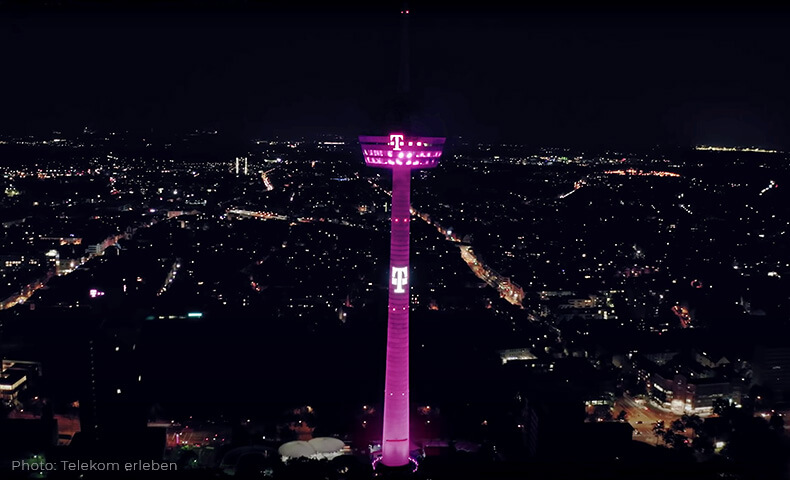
{"points": [[643, 417]]}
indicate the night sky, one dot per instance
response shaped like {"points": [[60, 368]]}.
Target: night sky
{"points": [[553, 77]]}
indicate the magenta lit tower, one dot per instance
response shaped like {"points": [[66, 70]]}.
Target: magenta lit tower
{"points": [[400, 153]]}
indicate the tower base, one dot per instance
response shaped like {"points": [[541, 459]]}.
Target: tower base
{"points": [[403, 472]]}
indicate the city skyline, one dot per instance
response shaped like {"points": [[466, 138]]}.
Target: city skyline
{"points": [[198, 247], [641, 288]]}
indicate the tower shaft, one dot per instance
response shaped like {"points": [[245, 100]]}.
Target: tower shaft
{"points": [[395, 441], [401, 154]]}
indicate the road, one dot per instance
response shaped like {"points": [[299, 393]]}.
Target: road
{"points": [[645, 414]]}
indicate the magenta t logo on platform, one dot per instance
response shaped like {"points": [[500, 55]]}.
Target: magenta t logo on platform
{"points": [[396, 140], [400, 277]]}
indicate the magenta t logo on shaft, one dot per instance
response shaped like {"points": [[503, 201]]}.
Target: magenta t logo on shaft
{"points": [[399, 153], [400, 278]]}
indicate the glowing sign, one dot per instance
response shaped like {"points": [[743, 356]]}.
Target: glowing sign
{"points": [[396, 140], [397, 150], [400, 277]]}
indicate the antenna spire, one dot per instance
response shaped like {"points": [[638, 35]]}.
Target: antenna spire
{"points": [[403, 76]]}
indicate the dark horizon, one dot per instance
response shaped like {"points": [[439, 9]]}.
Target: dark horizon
{"points": [[611, 77]]}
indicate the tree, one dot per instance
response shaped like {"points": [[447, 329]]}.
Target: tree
{"points": [[777, 422], [658, 426], [720, 405], [659, 430], [674, 440], [187, 458], [693, 422], [5, 409], [622, 416], [602, 413], [703, 444], [677, 426], [755, 448]]}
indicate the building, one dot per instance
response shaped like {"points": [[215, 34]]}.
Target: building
{"points": [[20, 260], [710, 359], [771, 366], [95, 249], [547, 420], [113, 413], [569, 306], [14, 378], [512, 354], [684, 389]]}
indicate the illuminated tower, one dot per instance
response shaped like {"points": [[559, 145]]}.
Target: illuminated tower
{"points": [[400, 153]]}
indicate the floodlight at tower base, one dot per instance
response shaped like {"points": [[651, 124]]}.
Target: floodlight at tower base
{"points": [[403, 472]]}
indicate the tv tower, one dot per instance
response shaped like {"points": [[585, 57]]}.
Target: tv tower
{"points": [[400, 152]]}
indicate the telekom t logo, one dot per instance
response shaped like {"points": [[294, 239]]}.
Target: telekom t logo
{"points": [[400, 277], [396, 140]]}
